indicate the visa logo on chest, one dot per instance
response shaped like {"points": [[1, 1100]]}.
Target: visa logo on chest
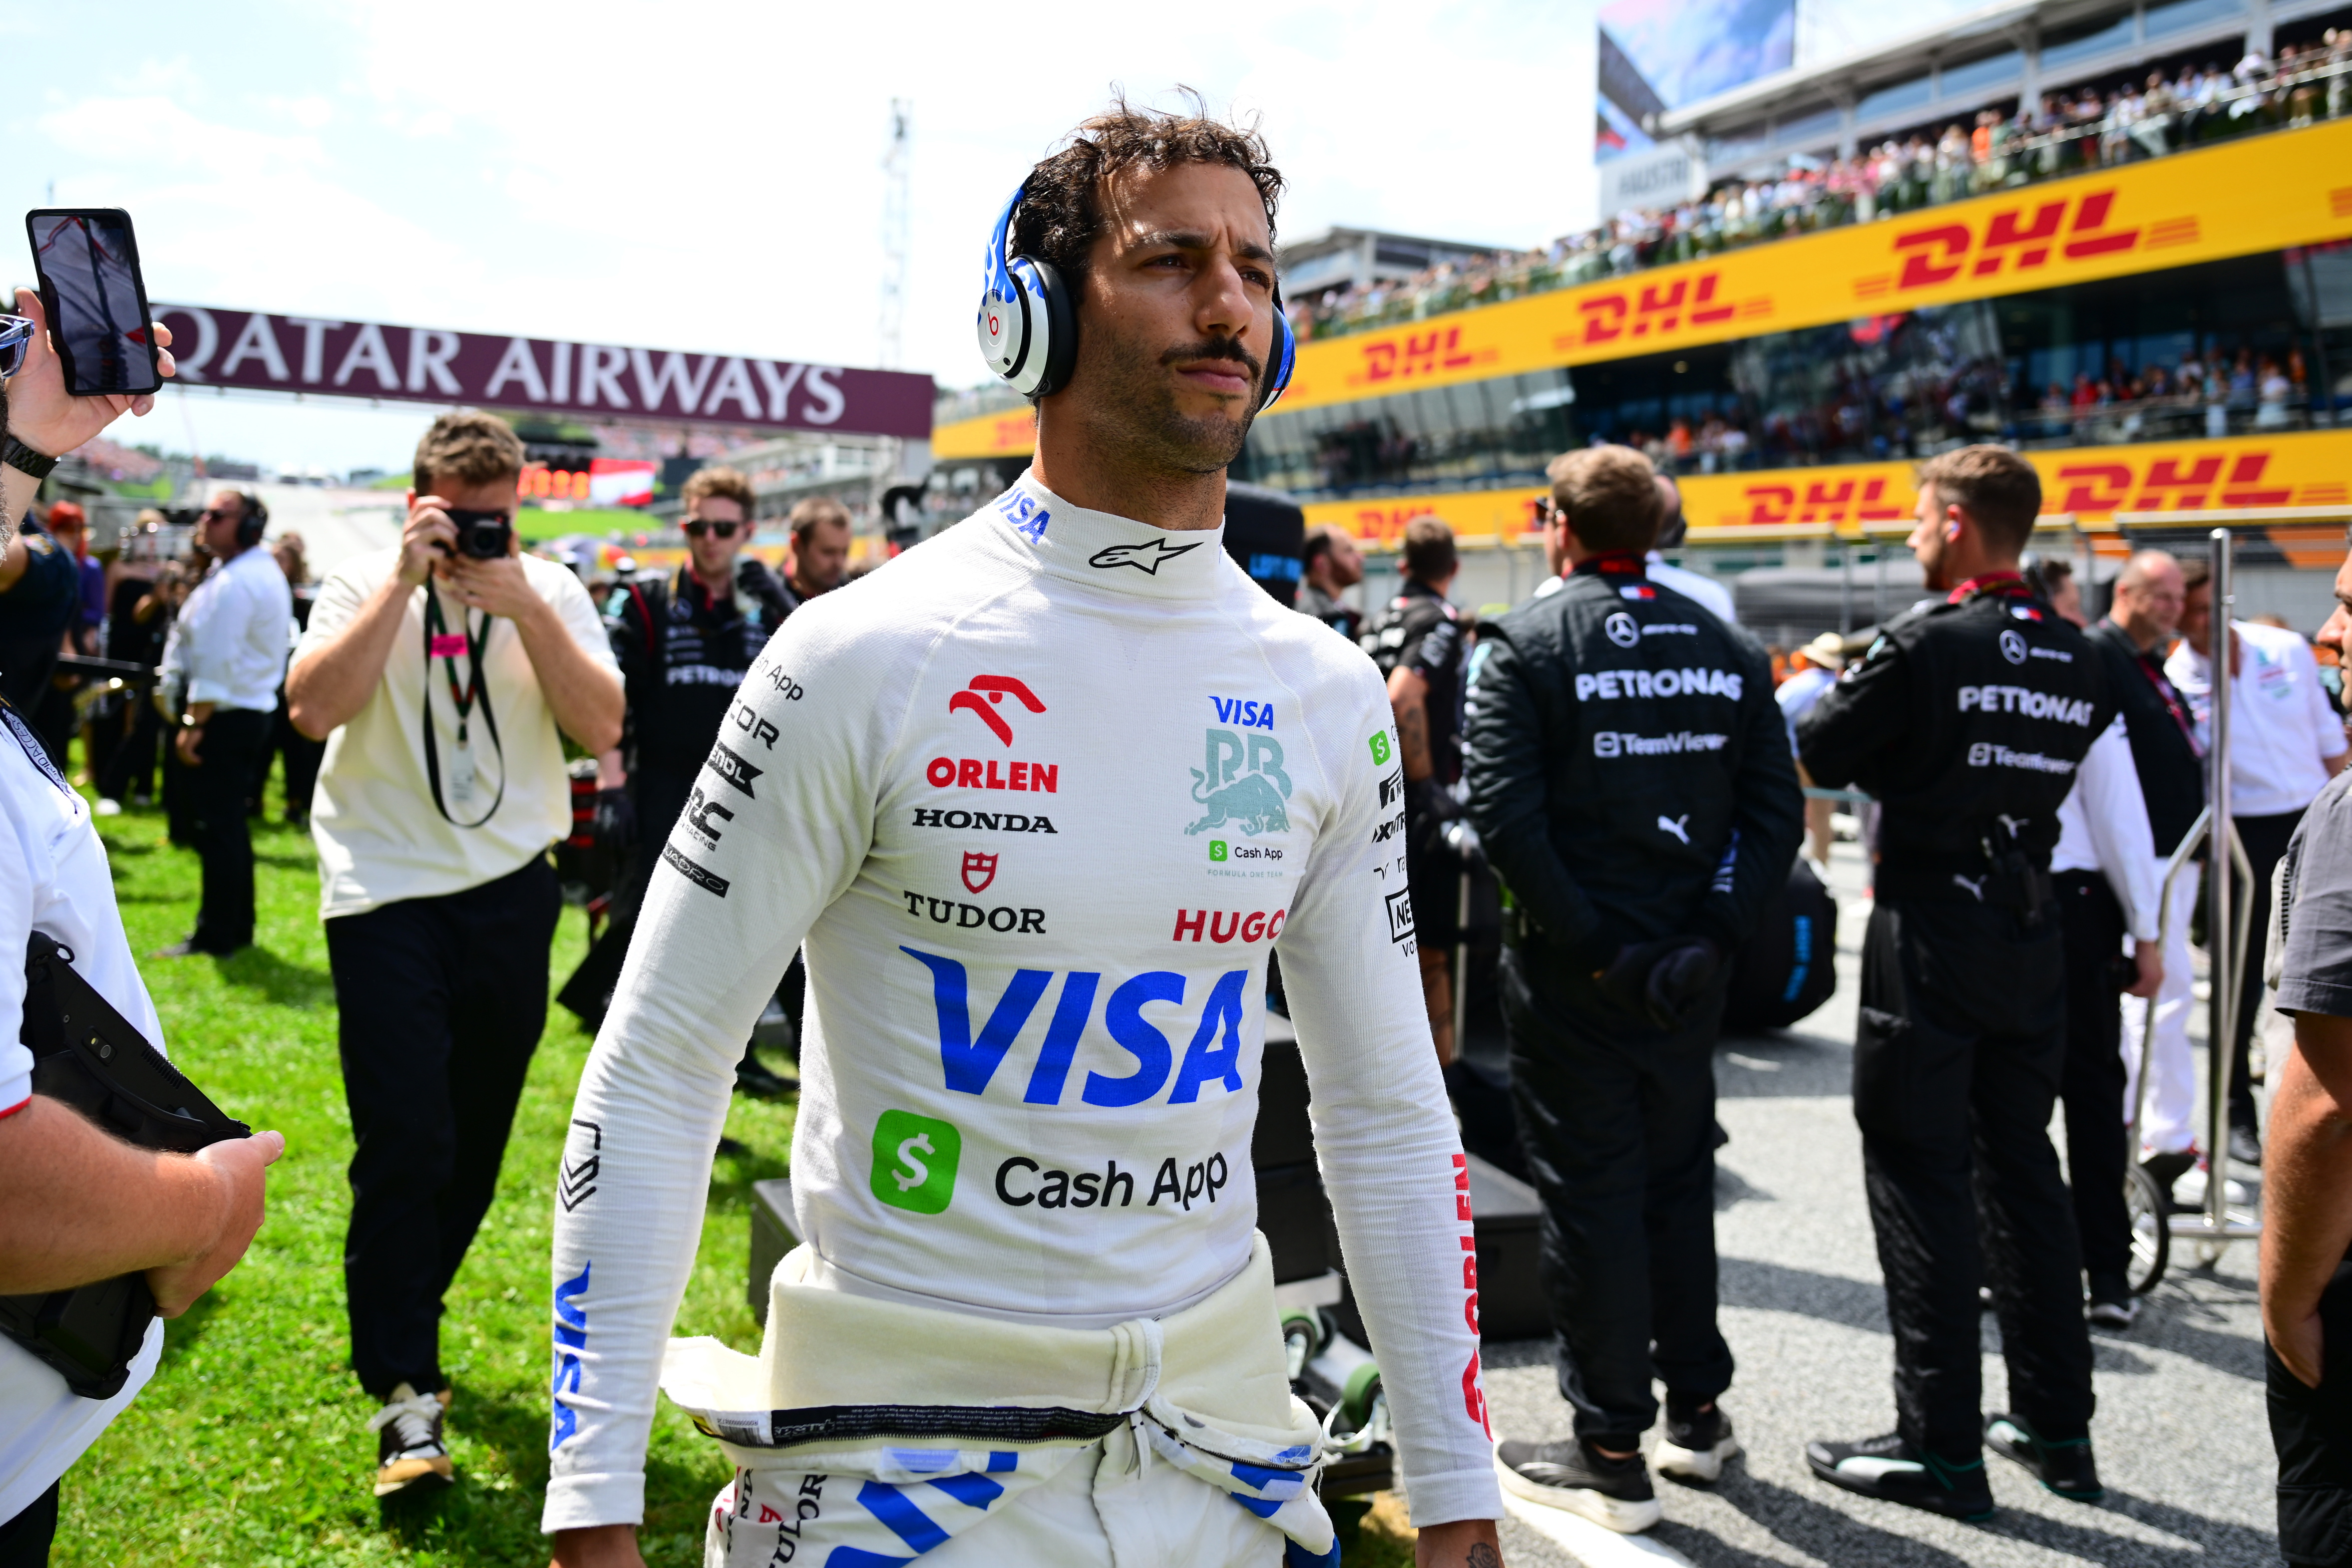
{"points": [[1242, 715]]}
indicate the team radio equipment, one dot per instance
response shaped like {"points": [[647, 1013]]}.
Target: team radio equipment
{"points": [[1029, 327]]}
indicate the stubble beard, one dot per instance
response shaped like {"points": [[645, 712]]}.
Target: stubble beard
{"points": [[1136, 414]]}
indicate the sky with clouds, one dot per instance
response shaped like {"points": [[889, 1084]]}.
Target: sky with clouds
{"points": [[708, 176]]}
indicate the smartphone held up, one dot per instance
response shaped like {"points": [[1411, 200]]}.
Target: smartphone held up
{"points": [[86, 260]]}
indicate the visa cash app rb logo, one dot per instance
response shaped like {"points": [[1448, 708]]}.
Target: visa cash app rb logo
{"points": [[914, 1161]]}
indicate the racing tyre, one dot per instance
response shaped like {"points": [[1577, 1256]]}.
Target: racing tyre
{"points": [[2146, 1205]]}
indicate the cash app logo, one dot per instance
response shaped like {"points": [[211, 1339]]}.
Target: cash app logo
{"points": [[1216, 849], [1380, 743], [914, 1161]]}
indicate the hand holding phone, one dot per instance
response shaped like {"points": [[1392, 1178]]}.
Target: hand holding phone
{"points": [[87, 259], [46, 417]]}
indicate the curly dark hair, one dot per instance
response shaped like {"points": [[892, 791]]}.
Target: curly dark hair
{"points": [[1061, 216]]}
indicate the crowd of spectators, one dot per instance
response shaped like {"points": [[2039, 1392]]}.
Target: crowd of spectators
{"points": [[2066, 132]]}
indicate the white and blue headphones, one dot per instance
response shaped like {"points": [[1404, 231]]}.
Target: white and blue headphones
{"points": [[1029, 329]]}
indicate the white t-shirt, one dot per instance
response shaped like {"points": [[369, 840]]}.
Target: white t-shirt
{"points": [[2102, 827], [1799, 692], [380, 836], [1710, 595], [2281, 723], [54, 879], [1041, 796]]}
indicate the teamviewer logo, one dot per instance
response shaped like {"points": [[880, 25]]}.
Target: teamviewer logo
{"points": [[1981, 753]]}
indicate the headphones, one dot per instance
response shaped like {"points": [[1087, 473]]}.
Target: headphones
{"points": [[1029, 329], [255, 519]]}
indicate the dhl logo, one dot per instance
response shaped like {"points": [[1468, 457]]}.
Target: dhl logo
{"points": [[2019, 240], [1659, 308], [1411, 354], [1825, 501], [2165, 485]]}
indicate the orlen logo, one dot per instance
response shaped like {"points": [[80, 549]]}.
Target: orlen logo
{"points": [[2028, 233], [985, 693]]}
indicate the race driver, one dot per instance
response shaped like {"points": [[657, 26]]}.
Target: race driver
{"points": [[1040, 797]]}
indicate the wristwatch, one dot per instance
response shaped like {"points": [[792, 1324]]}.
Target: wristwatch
{"points": [[190, 721], [16, 454]]}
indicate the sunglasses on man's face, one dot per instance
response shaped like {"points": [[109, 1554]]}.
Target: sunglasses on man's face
{"points": [[212, 514], [15, 337], [697, 526]]}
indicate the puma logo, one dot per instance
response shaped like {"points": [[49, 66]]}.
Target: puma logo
{"points": [[1975, 888], [1678, 826]]}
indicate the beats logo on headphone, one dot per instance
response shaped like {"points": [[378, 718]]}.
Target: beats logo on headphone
{"points": [[1028, 329]]}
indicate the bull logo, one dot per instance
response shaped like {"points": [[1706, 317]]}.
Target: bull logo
{"points": [[978, 871], [1242, 785], [982, 695]]}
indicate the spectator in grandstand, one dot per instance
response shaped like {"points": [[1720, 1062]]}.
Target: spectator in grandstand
{"points": [[1418, 643], [683, 647], [439, 902], [232, 643], [1332, 565], [81, 1206], [820, 547], [2285, 743], [2130, 641]]}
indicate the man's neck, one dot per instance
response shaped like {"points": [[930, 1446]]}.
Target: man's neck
{"points": [[719, 587], [1084, 473], [2143, 634]]}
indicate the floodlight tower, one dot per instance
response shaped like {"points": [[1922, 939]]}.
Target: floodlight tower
{"points": [[895, 163]]}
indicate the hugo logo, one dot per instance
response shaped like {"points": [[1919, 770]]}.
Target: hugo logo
{"points": [[987, 691]]}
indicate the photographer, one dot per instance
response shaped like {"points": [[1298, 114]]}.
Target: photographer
{"points": [[438, 671], [232, 643], [79, 1205]]}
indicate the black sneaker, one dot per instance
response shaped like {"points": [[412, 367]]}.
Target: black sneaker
{"points": [[2245, 1145], [1894, 1471], [2064, 1468], [1696, 1443], [1615, 1494]]}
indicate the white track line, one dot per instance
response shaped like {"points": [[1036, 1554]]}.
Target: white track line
{"points": [[1589, 1543]]}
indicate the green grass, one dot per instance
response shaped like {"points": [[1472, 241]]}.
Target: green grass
{"points": [[536, 523], [249, 1446]]}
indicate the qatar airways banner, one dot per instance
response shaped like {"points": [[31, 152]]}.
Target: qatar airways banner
{"points": [[526, 375]]}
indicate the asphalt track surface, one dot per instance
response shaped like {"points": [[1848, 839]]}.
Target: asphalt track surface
{"points": [[2182, 1442]]}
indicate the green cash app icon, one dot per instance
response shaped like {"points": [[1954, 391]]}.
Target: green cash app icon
{"points": [[914, 1161], [1380, 743], [1216, 849]]}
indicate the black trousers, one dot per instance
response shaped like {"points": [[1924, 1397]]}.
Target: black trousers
{"points": [[129, 770], [233, 752], [2091, 926], [2265, 839], [2312, 1429], [1618, 1125], [443, 1000], [303, 755], [24, 1540], [1957, 1062]]}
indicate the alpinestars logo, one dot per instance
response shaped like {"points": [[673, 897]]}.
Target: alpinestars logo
{"points": [[576, 1181], [984, 696], [978, 871], [1146, 557]]}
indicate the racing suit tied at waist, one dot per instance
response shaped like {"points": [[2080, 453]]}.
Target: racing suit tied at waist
{"points": [[968, 1412]]}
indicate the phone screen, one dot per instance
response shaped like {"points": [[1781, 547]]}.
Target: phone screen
{"points": [[87, 263]]}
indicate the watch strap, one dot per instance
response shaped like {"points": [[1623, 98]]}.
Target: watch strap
{"points": [[16, 454]]}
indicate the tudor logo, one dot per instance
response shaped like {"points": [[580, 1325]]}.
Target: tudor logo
{"points": [[1145, 557], [978, 871], [2012, 646], [984, 696], [1622, 630]]}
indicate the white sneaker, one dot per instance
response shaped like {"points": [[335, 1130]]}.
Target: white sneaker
{"points": [[109, 807]]}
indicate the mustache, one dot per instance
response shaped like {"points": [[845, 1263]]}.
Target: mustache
{"points": [[1217, 348]]}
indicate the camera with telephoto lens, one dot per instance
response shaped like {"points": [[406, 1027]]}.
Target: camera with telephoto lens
{"points": [[485, 535]]}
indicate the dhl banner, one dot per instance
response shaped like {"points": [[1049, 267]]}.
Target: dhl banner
{"points": [[2261, 193], [2091, 482]]}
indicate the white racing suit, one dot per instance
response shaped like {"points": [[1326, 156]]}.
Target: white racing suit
{"points": [[1039, 798]]}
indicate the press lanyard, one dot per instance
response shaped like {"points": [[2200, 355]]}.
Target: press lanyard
{"points": [[442, 643], [2171, 703]]}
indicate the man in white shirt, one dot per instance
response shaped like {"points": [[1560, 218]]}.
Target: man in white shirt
{"points": [[82, 1206], [438, 671], [1820, 660], [231, 645], [2285, 743]]}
